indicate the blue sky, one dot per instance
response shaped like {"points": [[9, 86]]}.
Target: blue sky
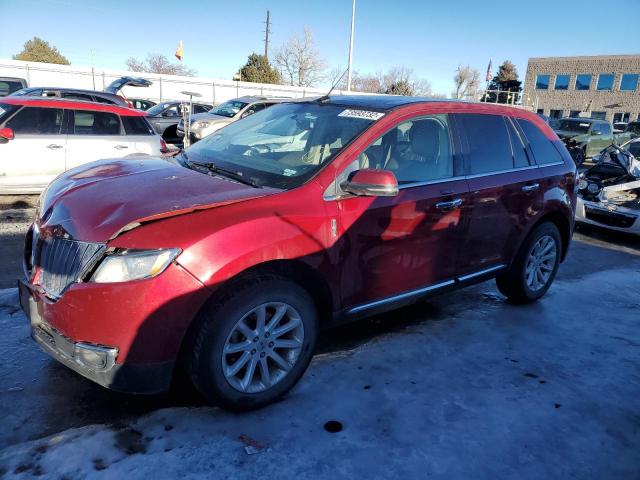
{"points": [[432, 38]]}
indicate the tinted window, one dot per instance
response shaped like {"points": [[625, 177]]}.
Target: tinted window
{"points": [[520, 158], [6, 110], [488, 141], [543, 150], [562, 82], [199, 109], [415, 151], [542, 82], [136, 126], [629, 82], [96, 123], [42, 121], [583, 81], [77, 96], [605, 81], [9, 86], [107, 101]]}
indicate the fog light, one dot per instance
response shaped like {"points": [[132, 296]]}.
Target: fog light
{"points": [[93, 357]]}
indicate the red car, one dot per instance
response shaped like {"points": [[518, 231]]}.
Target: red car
{"points": [[227, 259]]}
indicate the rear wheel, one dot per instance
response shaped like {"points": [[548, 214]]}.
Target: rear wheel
{"points": [[253, 346], [534, 267]]}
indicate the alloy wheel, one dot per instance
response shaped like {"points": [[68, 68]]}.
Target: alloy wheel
{"points": [[541, 263], [263, 346]]}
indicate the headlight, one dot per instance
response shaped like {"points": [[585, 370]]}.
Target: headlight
{"points": [[593, 188], [133, 265], [582, 184]]}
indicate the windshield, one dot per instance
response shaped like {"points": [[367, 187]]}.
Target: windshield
{"points": [[284, 145], [575, 126], [228, 109], [633, 148]]}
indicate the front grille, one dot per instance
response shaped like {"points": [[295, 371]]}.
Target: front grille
{"points": [[61, 261], [612, 219]]}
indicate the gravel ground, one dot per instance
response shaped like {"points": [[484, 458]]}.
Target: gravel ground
{"points": [[16, 214]]}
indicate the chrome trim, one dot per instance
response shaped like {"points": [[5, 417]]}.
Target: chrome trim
{"points": [[469, 276], [400, 296], [430, 182], [500, 172], [370, 189], [554, 164]]}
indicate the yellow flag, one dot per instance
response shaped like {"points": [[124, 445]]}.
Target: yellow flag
{"points": [[179, 51]]}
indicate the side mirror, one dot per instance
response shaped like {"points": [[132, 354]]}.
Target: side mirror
{"points": [[372, 183], [6, 134]]}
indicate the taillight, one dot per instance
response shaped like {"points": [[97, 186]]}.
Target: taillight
{"points": [[163, 146]]}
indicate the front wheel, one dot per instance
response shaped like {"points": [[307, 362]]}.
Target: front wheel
{"points": [[254, 345], [534, 267]]}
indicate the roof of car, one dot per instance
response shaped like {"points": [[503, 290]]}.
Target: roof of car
{"points": [[75, 104], [584, 120], [71, 90]]}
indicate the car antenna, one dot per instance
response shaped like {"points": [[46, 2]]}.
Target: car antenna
{"points": [[325, 98]]}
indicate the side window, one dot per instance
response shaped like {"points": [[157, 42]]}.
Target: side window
{"points": [[136, 126], [96, 123], [199, 109], [520, 158], [418, 150], [543, 150], [171, 112], [489, 146], [104, 100], [77, 96], [36, 121]]}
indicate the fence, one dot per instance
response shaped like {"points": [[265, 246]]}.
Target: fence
{"points": [[165, 87]]}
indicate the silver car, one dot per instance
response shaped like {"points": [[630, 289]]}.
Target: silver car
{"points": [[204, 124]]}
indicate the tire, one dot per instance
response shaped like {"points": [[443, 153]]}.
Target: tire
{"points": [[515, 283], [218, 325]]}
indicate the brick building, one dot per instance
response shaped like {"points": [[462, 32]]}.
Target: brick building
{"points": [[603, 86]]}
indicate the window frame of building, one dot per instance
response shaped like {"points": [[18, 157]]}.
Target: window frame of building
{"points": [[598, 115], [574, 113], [609, 86], [634, 76], [581, 86], [541, 76], [556, 114], [565, 84]]}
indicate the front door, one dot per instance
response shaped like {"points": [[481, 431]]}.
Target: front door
{"points": [[400, 246], [37, 153]]}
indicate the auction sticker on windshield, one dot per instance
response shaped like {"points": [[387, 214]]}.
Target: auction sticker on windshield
{"points": [[366, 114]]}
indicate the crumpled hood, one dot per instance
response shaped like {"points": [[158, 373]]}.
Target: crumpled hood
{"points": [[96, 201]]}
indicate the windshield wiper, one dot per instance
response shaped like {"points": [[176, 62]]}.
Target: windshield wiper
{"points": [[237, 176]]}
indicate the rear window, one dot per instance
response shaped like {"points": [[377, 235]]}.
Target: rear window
{"points": [[36, 121], [95, 123], [136, 126], [7, 87], [543, 150], [488, 143]]}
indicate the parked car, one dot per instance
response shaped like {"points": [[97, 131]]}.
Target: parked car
{"points": [[41, 138], [141, 103], [584, 137], [631, 131], [165, 117], [8, 85], [206, 123], [229, 258], [619, 127], [609, 192], [111, 94]]}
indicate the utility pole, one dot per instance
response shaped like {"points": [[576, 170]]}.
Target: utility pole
{"points": [[353, 19], [266, 36]]}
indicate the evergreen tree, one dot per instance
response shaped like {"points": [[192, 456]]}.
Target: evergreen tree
{"points": [[38, 50], [259, 70], [505, 80]]}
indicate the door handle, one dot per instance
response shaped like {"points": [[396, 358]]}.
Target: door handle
{"points": [[450, 205], [531, 187], [53, 146], [121, 147]]}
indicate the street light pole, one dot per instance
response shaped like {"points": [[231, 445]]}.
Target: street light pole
{"points": [[353, 19]]}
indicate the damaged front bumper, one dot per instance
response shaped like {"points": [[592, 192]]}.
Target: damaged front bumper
{"points": [[617, 207]]}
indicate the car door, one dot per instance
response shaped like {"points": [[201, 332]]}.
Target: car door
{"points": [[397, 247], [505, 193], [36, 155], [94, 135]]}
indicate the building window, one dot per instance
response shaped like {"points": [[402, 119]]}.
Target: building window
{"points": [[556, 113], [574, 113], [629, 82], [540, 111], [626, 116], [605, 81], [621, 117], [599, 115], [542, 82], [562, 82], [583, 81]]}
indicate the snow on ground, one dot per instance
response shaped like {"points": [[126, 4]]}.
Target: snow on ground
{"points": [[491, 390]]}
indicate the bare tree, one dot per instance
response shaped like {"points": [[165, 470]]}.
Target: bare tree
{"points": [[156, 63], [467, 81], [299, 60]]}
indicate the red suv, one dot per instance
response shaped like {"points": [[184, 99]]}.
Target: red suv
{"points": [[229, 258]]}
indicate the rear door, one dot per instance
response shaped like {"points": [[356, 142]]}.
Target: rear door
{"points": [[140, 136], [37, 153], [504, 187], [95, 135]]}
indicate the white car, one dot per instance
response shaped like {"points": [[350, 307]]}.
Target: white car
{"points": [[41, 138], [609, 192]]}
